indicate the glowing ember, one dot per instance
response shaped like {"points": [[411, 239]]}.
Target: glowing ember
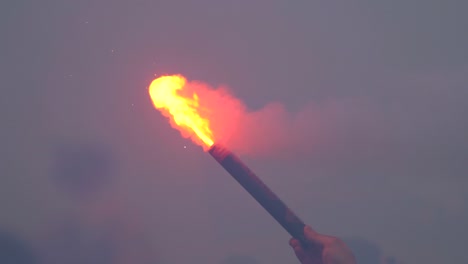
{"points": [[183, 109]]}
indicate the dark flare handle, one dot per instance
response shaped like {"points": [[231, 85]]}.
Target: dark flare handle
{"points": [[264, 196]]}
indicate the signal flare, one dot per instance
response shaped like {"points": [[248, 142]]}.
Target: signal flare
{"points": [[181, 103]]}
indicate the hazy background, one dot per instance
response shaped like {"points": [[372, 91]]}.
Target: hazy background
{"points": [[379, 92]]}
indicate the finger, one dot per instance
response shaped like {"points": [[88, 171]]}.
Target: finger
{"points": [[298, 250], [294, 242], [316, 238], [309, 231], [311, 235]]}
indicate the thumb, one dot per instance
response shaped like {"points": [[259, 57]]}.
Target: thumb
{"points": [[313, 236]]}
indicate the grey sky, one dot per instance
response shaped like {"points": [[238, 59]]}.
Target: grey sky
{"points": [[378, 90]]}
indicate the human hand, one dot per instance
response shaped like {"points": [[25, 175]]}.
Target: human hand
{"points": [[321, 249]]}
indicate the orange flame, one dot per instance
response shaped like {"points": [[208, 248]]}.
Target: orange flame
{"points": [[185, 112]]}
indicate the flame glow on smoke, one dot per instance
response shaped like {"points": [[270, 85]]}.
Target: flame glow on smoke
{"points": [[170, 96], [209, 115]]}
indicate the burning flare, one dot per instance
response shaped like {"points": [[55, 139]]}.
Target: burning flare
{"points": [[182, 108]]}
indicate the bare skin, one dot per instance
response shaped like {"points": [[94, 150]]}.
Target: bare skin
{"points": [[322, 249]]}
